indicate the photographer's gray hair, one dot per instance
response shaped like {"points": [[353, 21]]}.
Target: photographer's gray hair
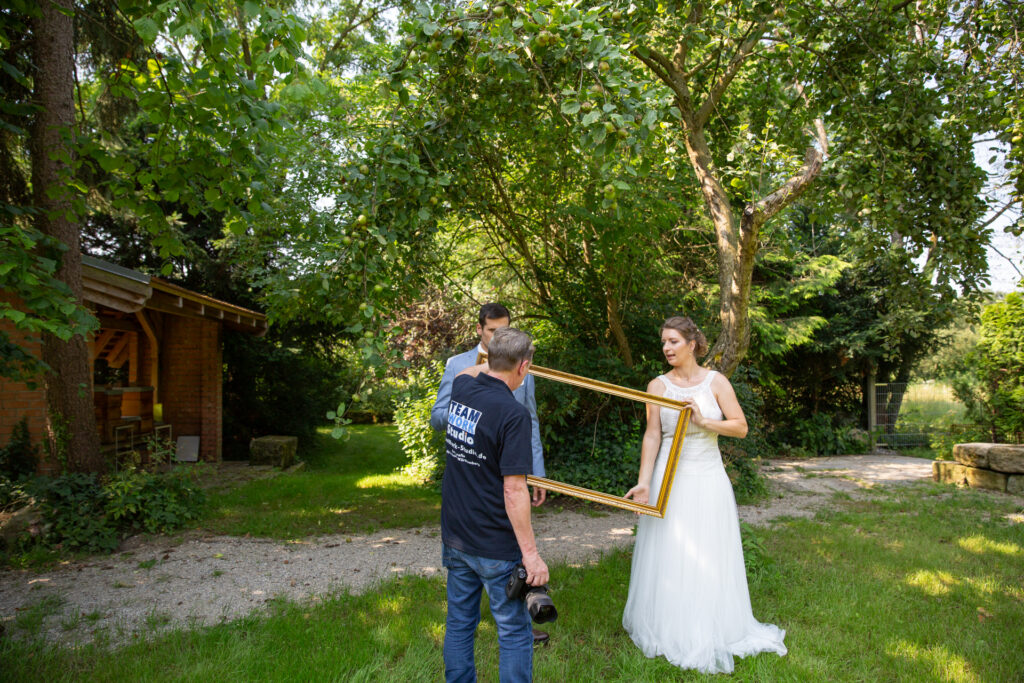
{"points": [[508, 348]]}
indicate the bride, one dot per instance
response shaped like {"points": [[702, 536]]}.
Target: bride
{"points": [[688, 597]]}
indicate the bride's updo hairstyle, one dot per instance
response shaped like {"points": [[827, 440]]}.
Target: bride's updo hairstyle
{"points": [[690, 332]]}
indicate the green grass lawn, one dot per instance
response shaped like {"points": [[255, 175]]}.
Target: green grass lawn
{"points": [[350, 486], [915, 584], [931, 403]]}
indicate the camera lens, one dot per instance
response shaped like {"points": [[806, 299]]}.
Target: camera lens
{"points": [[540, 606]]}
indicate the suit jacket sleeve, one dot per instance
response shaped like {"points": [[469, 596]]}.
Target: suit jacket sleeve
{"points": [[439, 411], [538, 450], [455, 365]]}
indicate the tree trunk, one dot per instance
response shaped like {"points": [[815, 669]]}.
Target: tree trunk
{"points": [[615, 327], [737, 248], [71, 424]]}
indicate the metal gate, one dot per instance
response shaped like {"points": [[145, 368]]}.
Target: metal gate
{"points": [[906, 415]]}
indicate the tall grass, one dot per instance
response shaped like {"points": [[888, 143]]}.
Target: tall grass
{"points": [[918, 584], [931, 403]]}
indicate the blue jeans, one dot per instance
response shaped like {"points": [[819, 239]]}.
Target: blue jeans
{"points": [[467, 575]]}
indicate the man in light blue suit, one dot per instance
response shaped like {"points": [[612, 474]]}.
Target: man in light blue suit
{"points": [[492, 317]]}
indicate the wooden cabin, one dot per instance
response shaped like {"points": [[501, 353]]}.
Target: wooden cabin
{"points": [[156, 360]]}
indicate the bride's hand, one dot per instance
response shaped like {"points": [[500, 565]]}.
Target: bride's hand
{"points": [[696, 417], [639, 493]]}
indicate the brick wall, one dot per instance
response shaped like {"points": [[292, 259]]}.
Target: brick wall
{"points": [[17, 400], [191, 369], [191, 386]]}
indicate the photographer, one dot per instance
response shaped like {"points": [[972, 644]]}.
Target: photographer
{"points": [[485, 509]]}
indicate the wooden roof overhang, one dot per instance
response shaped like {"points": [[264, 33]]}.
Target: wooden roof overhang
{"points": [[129, 291]]}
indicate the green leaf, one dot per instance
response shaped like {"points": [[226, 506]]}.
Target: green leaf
{"points": [[570, 107], [147, 29], [14, 73]]}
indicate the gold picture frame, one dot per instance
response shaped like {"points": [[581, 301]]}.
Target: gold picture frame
{"points": [[656, 510]]}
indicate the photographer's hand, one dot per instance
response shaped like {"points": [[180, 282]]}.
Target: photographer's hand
{"points": [[517, 506], [539, 496], [536, 570]]}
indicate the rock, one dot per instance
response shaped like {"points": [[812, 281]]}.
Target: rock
{"points": [[985, 479], [949, 472], [278, 451], [1015, 484], [1006, 458], [972, 454], [24, 520]]}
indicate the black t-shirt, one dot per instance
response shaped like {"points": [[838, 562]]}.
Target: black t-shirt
{"points": [[487, 438]]}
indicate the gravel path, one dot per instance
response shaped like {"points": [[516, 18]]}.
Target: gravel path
{"points": [[208, 579]]}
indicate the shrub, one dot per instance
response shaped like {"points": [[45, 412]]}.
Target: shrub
{"points": [[86, 513], [280, 384], [73, 507], [992, 386], [18, 457], [13, 493], [155, 503], [819, 435], [604, 457], [756, 560], [423, 447], [946, 436]]}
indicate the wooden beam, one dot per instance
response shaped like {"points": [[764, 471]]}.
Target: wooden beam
{"points": [[153, 337], [115, 290], [102, 339], [116, 303], [133, 358], [124, 324], [115, 352], [171, 308]]}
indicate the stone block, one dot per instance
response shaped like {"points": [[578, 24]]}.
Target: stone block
{"points": [[949, 472], [985, 479], [26, 520], [972, 454], [278, 451], [1006, 458], [1015, 484]]}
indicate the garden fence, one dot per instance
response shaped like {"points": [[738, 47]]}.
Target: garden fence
{"points": [[908, 415]]}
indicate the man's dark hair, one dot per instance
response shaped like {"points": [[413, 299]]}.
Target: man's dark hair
{"points": [[508, 348], [493, 311]]}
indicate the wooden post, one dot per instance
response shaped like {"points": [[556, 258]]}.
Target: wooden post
{"points": [[872, 410]]}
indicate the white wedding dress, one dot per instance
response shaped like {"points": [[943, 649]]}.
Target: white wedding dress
{"points": [[688, 597]]}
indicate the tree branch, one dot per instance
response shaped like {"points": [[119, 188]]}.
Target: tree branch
{"points": [[997, 214], [761, 211], [737, 61]]}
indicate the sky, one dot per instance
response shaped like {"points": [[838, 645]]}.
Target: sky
{"points": [[1004, 277]]}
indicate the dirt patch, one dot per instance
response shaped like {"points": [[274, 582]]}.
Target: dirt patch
{"points": [[800, 487]]}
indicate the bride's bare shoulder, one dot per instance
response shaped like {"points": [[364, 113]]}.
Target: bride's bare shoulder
{"points": [[656, 386]]}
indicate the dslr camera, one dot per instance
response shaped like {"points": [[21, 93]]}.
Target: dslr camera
{"points": [[538, 602]]}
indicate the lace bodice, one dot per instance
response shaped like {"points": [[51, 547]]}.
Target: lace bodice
{"points": [[696, 437]]}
